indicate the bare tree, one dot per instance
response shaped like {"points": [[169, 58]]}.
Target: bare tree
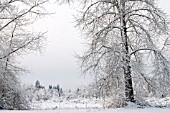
{"points": [[17, 38], [120, 34]]}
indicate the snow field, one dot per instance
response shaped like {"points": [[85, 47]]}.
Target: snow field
{"points": [[80, 103], [118, 110]]}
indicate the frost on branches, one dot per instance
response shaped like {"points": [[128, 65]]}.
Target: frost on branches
{"points": [[127, 48], [16, 39]]}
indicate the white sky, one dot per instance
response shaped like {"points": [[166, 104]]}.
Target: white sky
{"points": [[57, 64]]}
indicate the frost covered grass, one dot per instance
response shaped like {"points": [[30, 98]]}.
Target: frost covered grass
{"points": [[118, 110]]}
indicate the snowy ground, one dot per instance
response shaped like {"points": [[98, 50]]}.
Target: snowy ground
{"points": [[83, 103], [157, 105], [159, 102], [118, 110], [80, 103]]}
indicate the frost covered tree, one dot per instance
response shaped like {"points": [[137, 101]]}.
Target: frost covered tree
{"points": [[16, 38], [127, 46]]}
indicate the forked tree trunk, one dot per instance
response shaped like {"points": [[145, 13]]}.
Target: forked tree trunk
{"points": [[126, 58]]}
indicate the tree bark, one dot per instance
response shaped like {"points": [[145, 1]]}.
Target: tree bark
{"points": [[126, 58]]}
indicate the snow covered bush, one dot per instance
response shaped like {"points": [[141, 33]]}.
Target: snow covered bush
{"points": [[12, 94]]}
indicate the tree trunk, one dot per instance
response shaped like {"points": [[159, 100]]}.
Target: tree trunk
{"points": [[126, 58]]}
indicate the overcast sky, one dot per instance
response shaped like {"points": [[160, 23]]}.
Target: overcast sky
{"points": [[57, 63]]}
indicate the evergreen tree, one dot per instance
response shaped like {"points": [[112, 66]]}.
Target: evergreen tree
{"points": [[37, 84]]}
